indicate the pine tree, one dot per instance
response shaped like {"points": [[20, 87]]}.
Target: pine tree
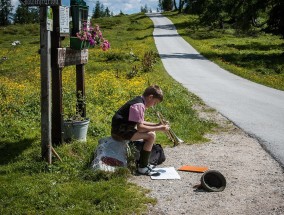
{"points": [[166, 5], [5, 12], [276, 18], [144, 9], [97, 10], [26, 15], [107, 12], [102, 10]]}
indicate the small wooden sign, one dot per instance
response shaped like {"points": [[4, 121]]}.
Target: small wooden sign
{"points": [[41, 2], [68, 56]]}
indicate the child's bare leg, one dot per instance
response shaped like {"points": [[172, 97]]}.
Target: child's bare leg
{"points": [[149, 139]]}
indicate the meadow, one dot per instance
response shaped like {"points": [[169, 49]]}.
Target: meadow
{"points": [[28, 185]]}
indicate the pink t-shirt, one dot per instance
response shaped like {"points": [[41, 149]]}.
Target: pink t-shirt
{"points": [[136, 112]]}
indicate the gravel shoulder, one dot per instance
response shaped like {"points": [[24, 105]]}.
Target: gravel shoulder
{"points": [[255, 181]]}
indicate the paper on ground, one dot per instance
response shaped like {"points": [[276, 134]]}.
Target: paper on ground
{"points": [[166, 173]]}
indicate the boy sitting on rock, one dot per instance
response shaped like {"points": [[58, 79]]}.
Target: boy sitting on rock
{"points": [[128, 124]]}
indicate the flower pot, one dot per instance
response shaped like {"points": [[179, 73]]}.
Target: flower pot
{"points": [[77, 44], [76, 130]]}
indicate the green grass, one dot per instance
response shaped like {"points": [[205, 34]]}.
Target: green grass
{"points": [[255, 56], [28, 184]]}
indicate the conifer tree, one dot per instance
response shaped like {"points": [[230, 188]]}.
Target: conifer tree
{"points": [[166, 5], [5, 12], [97, 10], [26, 14], [107, 12]]}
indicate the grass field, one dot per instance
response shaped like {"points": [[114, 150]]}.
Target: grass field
{"points": [[28, 184]]}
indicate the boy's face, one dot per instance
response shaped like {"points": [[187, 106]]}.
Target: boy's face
{"points": [[151, 101]]}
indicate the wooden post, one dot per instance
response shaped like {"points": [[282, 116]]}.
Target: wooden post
{"points": [[80, 89], [45, 87], [57, 111]]}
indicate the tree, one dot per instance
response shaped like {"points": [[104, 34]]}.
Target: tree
{"points": [[244, 15], [144, 9], [240, 14], [276, 20], [107, 12], [181, 4], [97, 10], [166, 5], [100, 11], [211, 12], [5, 12], [175, 5], [26, 15]]}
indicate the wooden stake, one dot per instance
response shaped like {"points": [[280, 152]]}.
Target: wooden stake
{"points": [[57, 110], [55, 153], [45, 71]]}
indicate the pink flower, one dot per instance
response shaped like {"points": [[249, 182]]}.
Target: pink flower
{"points": [[105, 45], [94, 36]]}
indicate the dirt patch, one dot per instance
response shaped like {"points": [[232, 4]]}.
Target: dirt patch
{"points": [[255, 181]]}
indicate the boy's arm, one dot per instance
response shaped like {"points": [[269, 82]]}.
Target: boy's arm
{"points": [[146, 126], [151, 123]]}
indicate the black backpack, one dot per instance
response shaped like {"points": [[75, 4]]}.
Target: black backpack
{"points": [[157, 155]]}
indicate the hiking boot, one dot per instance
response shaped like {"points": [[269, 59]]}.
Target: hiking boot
{"points": [[147, 171]]}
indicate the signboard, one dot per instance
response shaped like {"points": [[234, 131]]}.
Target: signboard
{"points": [[49, 19], [64, 20], [41, 2], [67, 57]]}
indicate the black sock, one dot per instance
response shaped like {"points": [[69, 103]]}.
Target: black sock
{"points": [[144, 158]]}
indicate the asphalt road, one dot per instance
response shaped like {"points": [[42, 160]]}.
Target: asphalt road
{"points": [[256, 109]]}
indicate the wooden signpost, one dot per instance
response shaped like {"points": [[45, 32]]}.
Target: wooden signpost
{"points": [[67, 57], [52, 60], [45, 71]]}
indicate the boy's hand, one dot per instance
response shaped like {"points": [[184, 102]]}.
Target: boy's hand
{"points": [[164, 123], [166, 127]]}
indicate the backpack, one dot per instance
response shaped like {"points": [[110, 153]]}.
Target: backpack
{"points": [[157, 155]]}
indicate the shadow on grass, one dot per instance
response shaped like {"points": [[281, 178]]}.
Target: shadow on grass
{"points": [[256, 46], [139, 16], [273, 62], [10, 150], [144, 37]]}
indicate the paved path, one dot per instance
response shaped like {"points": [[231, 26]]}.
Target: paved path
{"points": [[256, 109]]}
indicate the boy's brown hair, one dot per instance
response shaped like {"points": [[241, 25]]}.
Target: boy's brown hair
{"points": [[154, 90]]}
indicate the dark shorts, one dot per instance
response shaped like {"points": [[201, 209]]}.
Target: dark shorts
{"points": [[123, 132]]}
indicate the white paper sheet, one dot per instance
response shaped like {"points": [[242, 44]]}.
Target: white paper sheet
{"points": [[166, 173]]}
